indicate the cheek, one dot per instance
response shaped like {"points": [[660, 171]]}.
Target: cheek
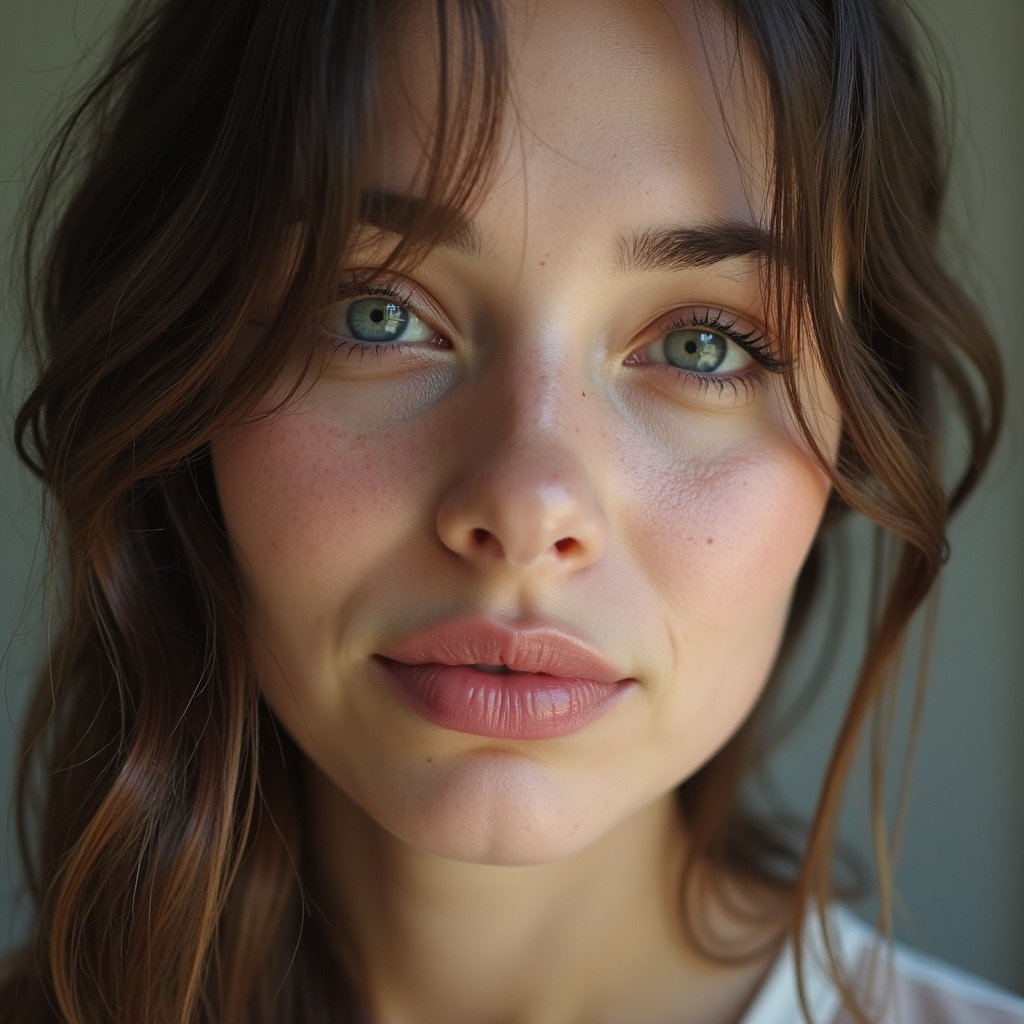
{"points": [[293, 487], [748, 523], [727, 508], [732, 521], [312, 507], [722, 543]]}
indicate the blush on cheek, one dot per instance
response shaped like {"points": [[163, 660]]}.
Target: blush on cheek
{"points": [[316, 514], [723, 545], [294, 489]]}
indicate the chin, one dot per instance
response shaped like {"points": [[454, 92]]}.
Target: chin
{"points": [[494, 809]]}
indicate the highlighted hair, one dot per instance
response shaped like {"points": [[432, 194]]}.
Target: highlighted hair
{"points": [[158, 818]]}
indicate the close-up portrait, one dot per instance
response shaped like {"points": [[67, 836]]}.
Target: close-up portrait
{"points": [[511, 512]]}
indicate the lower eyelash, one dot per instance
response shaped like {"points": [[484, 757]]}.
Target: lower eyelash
{"points": [[350, 347], [360, 348], [703, 382]]}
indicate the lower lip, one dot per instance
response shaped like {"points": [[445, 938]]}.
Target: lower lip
{"points": [[517, 705]]}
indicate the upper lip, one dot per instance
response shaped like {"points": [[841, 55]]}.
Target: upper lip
{"points": [[537, 648]]}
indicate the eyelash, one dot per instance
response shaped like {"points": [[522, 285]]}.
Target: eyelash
{"points": [[753, 342], [400, 296]]}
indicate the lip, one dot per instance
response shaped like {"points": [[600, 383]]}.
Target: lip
{"points": [[556, 686]]}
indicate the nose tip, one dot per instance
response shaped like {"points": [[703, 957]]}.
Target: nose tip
{"points": [[524, 510]]}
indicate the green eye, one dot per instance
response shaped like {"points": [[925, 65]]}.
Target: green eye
{"points": [[697, 350], [708, 345], [377, 319]]}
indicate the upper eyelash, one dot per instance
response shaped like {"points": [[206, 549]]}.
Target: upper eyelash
{"points": [[388, 289], [403, 297], [754, 342]]}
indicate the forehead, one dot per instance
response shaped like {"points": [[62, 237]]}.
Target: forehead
{"points": [[660, 103]]}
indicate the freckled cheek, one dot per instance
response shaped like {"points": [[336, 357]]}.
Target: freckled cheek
{"points": [[731, 536], [308, 504]]}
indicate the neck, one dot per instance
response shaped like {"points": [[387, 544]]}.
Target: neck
{"points": [[593, 937]]}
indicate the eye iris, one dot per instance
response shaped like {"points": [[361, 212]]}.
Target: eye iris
{"points": [[694, 349], [377, 319]]}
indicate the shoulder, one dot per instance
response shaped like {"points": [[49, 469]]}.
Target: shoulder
{"points": [[907, 987], [895, 985]]}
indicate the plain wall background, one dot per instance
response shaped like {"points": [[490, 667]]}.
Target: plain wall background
{"points": [[961, 876]]}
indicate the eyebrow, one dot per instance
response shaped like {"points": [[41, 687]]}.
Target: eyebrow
{"points": [[679, 248], [654, 249], [396, 213]]}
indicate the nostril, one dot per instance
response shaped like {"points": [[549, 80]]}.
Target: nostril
{"points": [[481, 538]]}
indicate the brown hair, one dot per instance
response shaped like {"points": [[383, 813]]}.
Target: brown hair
{"points": [[156, 808]]}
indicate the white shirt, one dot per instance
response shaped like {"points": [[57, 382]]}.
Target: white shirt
{"points": [[904, 988]]}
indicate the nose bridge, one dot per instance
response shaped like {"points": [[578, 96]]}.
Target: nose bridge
{"points": [[538, 456], [535, 410], [524, 491]]}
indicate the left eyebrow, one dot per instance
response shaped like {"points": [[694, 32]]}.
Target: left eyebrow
{"points": [[679, 248], [395, 212]]}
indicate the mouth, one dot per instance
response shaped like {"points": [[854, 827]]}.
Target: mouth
{"points": [[479, 677]]}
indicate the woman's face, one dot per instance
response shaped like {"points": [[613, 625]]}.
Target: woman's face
{"points": [[557, 445]]}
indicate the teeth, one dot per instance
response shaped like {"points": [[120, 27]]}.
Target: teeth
{"points": [[493, 669]]}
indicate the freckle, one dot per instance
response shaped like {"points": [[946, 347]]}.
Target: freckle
{"points": [[583, 393], [711, 540], [430, 760]]}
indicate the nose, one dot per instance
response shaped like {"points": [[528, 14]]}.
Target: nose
{"points": [[526, 498]]}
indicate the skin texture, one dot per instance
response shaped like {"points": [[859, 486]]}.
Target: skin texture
{"points": [[533, 460]]}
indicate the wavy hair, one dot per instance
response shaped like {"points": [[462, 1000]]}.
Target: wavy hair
{"points": [[156, 804]]}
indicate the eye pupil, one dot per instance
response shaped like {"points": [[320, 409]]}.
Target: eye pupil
{"points": [[376, 316], [691, 347]]}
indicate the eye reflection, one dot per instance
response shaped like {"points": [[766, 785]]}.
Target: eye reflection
{"points": [[377, 319], [696, 350]]}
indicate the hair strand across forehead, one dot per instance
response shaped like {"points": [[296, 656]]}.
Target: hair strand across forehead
{"points": [[189, 220]]}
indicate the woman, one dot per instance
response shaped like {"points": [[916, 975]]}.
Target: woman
{"points": [[445, 406]]}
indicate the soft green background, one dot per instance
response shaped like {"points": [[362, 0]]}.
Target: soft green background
{"points": [[961, 878]]}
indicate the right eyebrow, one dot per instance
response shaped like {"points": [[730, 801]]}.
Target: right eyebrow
{"points": [[396, 212], [702, 245]]}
